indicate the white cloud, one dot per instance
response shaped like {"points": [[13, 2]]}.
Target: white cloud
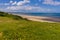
{"points": [[51, 2], [19, 3], [23, 2], [28, 8], [19, 8], [14, 3], [11, 1]]}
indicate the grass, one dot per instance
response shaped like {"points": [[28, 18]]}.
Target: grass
{"points": [[11, 29]]}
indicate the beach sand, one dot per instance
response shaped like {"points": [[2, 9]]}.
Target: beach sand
{"points": [[39, 18]]}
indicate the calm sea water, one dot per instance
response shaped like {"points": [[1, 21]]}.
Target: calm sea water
{"points": [[56, 15]]}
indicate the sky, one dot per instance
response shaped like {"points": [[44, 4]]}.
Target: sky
{"points": [[45, 6]]}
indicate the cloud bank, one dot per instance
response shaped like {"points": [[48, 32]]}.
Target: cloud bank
{"points": [[51, 2], [20, 2], [28, 8], [16, 3], [48, 2], [20, 6]]}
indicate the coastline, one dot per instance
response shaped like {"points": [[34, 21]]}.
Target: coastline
{"points": [[39, 18]]}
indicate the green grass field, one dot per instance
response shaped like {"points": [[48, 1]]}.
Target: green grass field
{"points": [[11, 29]]}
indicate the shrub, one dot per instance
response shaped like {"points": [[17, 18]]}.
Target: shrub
{"points": [[16, 17]]}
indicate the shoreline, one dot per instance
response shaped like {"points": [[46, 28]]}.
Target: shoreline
{"points": [[39, 18]]}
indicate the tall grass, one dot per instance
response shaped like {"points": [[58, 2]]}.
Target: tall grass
{"points": [[16, 17], [11, 29]]}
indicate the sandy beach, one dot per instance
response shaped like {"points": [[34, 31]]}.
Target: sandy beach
{"points": [[40, 18]]}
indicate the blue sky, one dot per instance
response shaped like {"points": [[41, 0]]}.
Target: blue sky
{"points": [[45, 6]]}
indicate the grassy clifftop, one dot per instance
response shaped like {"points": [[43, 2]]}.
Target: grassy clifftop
{"points": [[16, 17], [21, 29]]}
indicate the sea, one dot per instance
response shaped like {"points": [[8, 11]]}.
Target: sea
{"points": [[54, 15]]}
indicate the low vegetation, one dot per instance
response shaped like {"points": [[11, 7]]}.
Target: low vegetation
{"points": [[20, 29]]}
